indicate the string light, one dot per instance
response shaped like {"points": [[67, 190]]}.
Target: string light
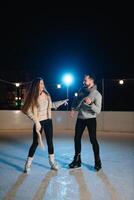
{"points": [[12, 83]]}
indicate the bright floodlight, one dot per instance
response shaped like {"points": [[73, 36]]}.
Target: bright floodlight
{"points": [[121, 82], [68, 79]]}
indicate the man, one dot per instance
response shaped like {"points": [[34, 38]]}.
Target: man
{"points": [[88, 104]]}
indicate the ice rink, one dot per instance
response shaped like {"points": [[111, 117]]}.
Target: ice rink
{"points": [[114, 181]]}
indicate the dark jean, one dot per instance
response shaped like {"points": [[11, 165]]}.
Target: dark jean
{"points": [[81, 124], [48, 129]]}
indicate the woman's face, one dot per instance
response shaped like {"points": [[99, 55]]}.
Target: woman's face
{"points": [[41, 85]]}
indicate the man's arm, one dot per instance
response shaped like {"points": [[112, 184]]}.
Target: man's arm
{"points": [[77, 100], [96, 105]]}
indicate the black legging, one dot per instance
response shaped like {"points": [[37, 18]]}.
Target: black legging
{"points": [[79, 129], [48, 129]]}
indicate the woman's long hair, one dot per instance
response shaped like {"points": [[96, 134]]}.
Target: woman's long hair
{"points": [[31, 99]]}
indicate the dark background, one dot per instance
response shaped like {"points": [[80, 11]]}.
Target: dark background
{"points": [[37, 40]]}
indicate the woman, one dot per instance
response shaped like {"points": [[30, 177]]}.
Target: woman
{"points": [[37, 106]]}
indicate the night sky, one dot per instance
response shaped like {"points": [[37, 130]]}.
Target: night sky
{"points": [[52, 41]]}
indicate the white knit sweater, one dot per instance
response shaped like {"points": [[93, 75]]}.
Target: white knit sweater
{"points": [[43, 111]]}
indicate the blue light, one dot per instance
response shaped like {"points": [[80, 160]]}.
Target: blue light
{"points": [[58, 86], [75, 94], [68, 79]]}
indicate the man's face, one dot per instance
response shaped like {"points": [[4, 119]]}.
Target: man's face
{"points": [[88, 82]]}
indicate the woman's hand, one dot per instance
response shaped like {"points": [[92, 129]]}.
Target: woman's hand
{"points": [[38, 126], [65, 102]]}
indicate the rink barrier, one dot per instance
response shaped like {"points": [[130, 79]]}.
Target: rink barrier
{"points": [[14, 120]]}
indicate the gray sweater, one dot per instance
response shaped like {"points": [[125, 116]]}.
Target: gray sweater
{"points": [[86, 111]]}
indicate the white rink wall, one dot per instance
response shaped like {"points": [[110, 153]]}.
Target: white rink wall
{"points": [[107, 121]]}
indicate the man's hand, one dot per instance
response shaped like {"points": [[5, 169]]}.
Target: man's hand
{"points": [[87, 100], [72, 113]]}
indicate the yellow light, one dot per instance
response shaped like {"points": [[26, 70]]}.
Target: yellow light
{"points": [[17, 84], [121, 82]]}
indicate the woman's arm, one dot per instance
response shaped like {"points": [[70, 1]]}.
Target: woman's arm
{"points": [[31, 115], [57, 104]]}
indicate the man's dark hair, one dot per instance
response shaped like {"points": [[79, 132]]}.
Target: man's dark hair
{"points": [[89, 76]]}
